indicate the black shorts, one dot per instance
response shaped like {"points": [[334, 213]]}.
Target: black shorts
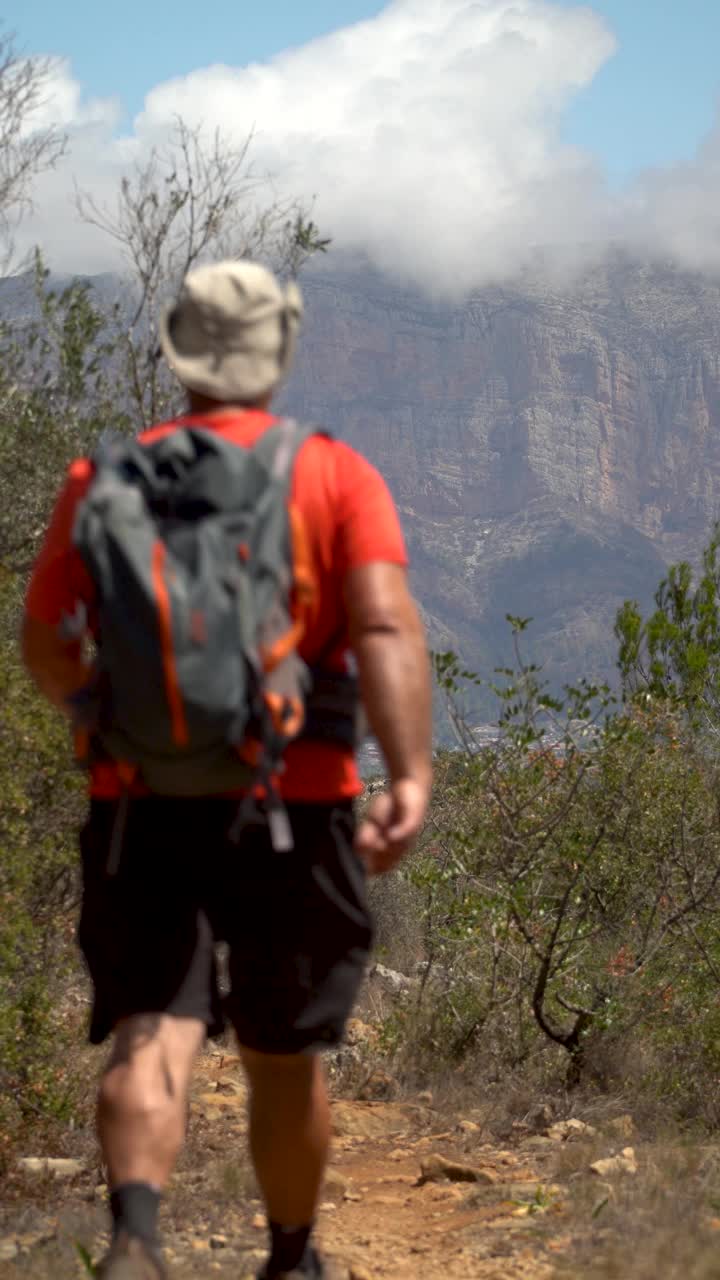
{"points": [[297, 924]]}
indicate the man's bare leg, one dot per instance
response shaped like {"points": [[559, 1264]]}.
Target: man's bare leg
{"points": [[143, 1096], [289, 1142], [142, 1107]]}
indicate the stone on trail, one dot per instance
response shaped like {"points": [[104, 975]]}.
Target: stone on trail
{"points": [[622, 1164], [335, 1184], [468, 1126], [569, 1130], [372, 1120], [58, 1167], [377, 1085], [436, 1168], [390, 981]]}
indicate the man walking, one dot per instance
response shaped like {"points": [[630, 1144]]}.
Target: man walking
{"points": [[295, 920]]}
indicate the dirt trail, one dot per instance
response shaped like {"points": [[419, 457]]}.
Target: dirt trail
{"points": [[377, 1216]]}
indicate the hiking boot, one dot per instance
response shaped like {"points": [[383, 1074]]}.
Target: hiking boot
{"points": [[314, 1268], [131, 1259]]}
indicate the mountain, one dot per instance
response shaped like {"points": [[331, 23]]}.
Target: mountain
{"points": [[550, 450]]}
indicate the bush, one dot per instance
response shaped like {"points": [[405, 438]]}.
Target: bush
{"points": [[41, 809], [570, 882]]}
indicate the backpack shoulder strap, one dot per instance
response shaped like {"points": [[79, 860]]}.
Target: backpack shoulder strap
{"points": [[279, 446]]}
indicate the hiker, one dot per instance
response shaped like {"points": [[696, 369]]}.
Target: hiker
{"points": [[183, 848]]}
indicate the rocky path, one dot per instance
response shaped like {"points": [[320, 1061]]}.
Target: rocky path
{"points": [[406, 1197]]}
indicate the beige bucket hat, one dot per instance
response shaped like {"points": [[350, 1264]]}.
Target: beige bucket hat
{"points": [[230, 334]]}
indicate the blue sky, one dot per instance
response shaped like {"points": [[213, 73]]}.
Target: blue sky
{"points": [[656, 98], [650, 105]]}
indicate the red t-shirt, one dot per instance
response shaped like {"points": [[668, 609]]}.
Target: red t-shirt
{"points": [[350, 521]]}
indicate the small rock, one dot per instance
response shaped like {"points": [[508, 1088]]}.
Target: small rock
{"points": [[8, 1250], [218, 1242], [568, 1130], [57, 1167], [371, 1120], [31, 1239], [430, 1141], [426, 1098], [390, 981], [215, 1103], [437, 1169], [378, 1085], [352, 1197], [621, 1127], [230, 1086], [358, 1032], [468, 1126], [453, 1192], [259, 1222], [622, 1164], [335, 1184], [328, 1206]]}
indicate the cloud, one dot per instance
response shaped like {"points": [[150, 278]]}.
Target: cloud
{"points": [[61, 103], [429, 136], [676, 211], [94, 156]]}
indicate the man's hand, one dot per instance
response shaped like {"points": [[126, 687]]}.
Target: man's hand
{"points": [[391, 823], [388, 640]]}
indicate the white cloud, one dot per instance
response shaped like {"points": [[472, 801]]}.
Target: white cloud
{"points": [[676, 211], [61, 103], [429, 135]]}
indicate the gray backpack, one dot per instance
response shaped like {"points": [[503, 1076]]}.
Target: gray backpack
{"points": [[198, 566]]}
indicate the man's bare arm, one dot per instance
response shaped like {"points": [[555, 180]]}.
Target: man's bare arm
{"points": [[388, 640], [56, 666]]}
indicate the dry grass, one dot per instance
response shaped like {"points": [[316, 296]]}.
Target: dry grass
{"points": [[661, 1224]]}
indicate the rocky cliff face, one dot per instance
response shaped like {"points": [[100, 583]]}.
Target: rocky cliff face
{"points": [[550, 451]]}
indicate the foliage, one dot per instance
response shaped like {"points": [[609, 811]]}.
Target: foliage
{"points": [[674, 654], [54, 399], [197, 198], [42, 803], [570, 884], [26, 148], [56, 394]]}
